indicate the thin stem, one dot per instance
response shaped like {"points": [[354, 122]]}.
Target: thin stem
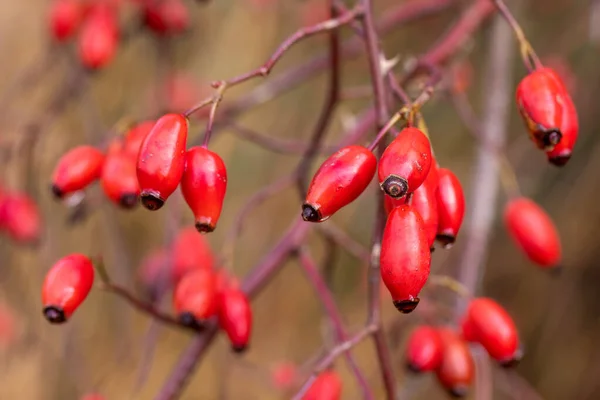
{"points": [[339, 236], [335, 318], [451, 284], [328, 358]]}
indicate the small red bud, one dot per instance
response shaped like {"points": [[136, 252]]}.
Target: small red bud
{"points": [[119, 180], [76, 170], [405, 163], [166, 16], [456, 371], [540, 101], [20, 218], [338, 182], [327, 386], [533, 231], [405, 257], [66, 286], [235, 318], [65, 18], [194, 298], [451, 207], [424, 350], [488, 323], [136, 135], [191, 251], [99, 37], [161, 160], [203, 185]]}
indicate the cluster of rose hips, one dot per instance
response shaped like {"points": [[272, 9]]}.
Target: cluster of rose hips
{"points": [[200, 291], [445, 352], [96, 23], [20, 217]]}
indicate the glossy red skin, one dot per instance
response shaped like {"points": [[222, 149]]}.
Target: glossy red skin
{"points": [[327, 386], [20, 218], [196, 294], [424, 200], [235, 317], [166, 17], [451, 205], [457, 368], [68, 283], [119, 180], [65, 18], [161, 159], [424, 349], [405, 256], [408, 156], [340, 180], [533, 232], [561, 153], [99, 37], [76, 169], [135, 137], [203, 185], [191, 251], [540, 101], [488, 323]]}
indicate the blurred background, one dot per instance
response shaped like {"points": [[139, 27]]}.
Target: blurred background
{"points": [[50, 104]]}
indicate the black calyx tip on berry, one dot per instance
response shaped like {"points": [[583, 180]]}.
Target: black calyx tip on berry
{"points": [[128, 200], [406, 306], [514, 360], [447, 240], [458, 391], [239, 349], [395, 186], [151, 200], [56, 191], [204, 227], [188, 319], [413, 368], [310, 213], [550, 137], [560, 160], [55, 315]]}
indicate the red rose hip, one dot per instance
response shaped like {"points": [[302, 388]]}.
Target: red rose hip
{"points": [[20, 218], [338, 182], [455, 373], [424, 350], [405, 257], [203, 186], [65, 18], [451, 207], [119, 180], [136, 135], [161, 160], [76, 170], [425, 201], [235, 317], [194, 298], [99, 37], [66, 286], [191, 251], [533, 231], [405, 163], [327, 386]]}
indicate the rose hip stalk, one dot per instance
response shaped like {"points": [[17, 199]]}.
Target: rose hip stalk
{"points": [[65, 18], [119, 180], [161, 160], [191, 251], [203, 186], [66, 286], [487, 323], [540, 99], [194, 298], [451, 207], [533, 231], [405, 257], [99, 37], [235, 317], [338, 182], [424, 350], [456, 371], [75, 170], [20, 218], [405, 163], [327, 386]]}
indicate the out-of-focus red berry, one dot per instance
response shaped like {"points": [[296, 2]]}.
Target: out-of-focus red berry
{"points": [[327, 386], [284, 375], [20, 218], [99, 37], [65, 18], [136, 135], [119, 180], [457, 369], [195, 297], [451, 207], [76, 169], [424, 349], [191, 251], [235, 318]]}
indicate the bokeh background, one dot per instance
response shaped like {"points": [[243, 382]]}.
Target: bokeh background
{"points": [[104, 347]]}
